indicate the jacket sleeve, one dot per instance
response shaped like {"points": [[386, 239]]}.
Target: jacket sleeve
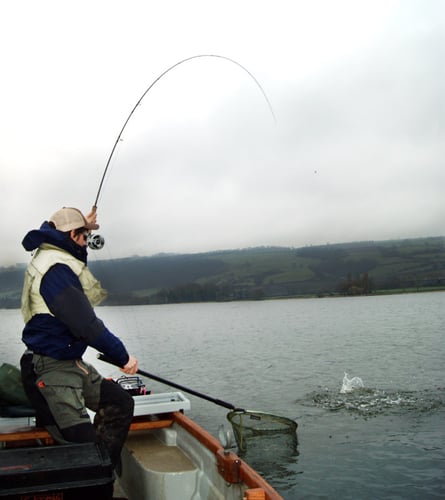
{"points": [[64, 296]]}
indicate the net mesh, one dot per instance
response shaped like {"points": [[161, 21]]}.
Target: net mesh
{"points": [[250, 426]]}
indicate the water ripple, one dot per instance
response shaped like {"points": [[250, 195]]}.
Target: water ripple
{"points": [[372, 402]]}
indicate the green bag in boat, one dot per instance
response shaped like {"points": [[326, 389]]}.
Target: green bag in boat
{"points": [[11, 388]]}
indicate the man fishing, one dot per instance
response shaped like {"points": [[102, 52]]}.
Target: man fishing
{"points": [[58, 297]]}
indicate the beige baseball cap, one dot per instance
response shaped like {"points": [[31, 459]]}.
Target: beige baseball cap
{"points": [[68, 218]]}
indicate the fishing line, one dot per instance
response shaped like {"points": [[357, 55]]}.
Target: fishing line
{"points": [[148, 90]]}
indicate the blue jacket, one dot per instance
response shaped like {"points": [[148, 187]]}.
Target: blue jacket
{"points": [[74, 326]]}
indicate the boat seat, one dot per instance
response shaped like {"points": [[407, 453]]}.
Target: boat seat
{"points": [[145, 411], [17, 435]]}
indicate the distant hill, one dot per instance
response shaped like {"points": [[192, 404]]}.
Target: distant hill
{"points": [[264, 272]]}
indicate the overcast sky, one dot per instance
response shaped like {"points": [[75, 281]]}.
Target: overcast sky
{"points": [[356, 152]]}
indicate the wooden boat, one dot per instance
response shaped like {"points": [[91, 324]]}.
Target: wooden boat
{"points": [[167, 456]]}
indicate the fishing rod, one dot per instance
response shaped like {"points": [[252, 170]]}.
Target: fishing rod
{"points": [[148, 90], [216, 401]]}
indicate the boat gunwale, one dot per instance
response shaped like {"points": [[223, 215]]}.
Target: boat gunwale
{"points": [[230, 465]]}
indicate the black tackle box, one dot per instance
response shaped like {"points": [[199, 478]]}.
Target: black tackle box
{"points": [[64, 472]]}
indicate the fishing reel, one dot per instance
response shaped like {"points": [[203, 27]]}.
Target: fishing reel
{"points": [[95, 241], [133, 385]]}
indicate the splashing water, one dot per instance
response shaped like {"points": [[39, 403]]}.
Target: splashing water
{"points": [[354, 397], [373, 402], [349, 384]]}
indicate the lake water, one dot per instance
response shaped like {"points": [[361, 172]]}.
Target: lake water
{"points": [[289, 357]]}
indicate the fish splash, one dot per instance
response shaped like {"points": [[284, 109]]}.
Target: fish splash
{"points": [[359, 400], [349, 384]]}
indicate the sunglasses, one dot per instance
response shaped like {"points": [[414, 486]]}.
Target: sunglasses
{"points": [[83, 232]]}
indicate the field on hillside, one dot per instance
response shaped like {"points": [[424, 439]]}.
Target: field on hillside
{"points": [[265, 272]]}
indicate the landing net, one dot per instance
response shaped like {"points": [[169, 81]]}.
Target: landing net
{"points": [[251, 426]]}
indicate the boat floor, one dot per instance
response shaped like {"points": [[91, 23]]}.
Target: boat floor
{"points": [[118, 492], [157, 456], [154, 455]]}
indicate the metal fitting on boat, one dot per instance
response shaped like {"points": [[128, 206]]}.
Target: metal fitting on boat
{"points": [[229, 466]]}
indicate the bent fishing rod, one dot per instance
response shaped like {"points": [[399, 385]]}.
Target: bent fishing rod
{"points": [[216, 401], [119, 137]]}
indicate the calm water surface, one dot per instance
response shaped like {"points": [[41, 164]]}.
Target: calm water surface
{"points": [[288, 357]]}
